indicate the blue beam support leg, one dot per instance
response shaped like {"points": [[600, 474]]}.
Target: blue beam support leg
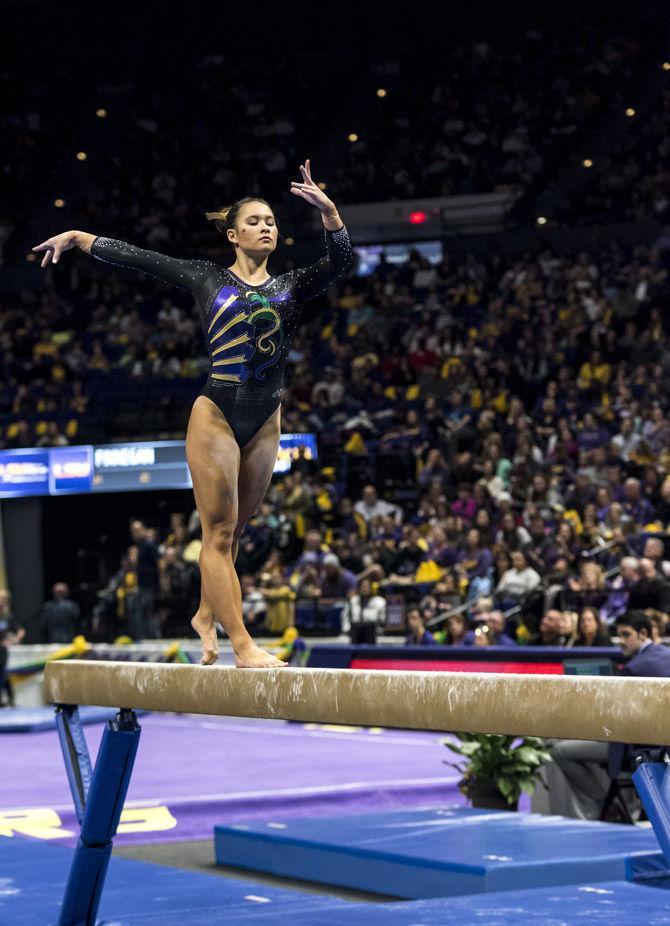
{"points": [[75, 753], [652, 782], [102, 806]]}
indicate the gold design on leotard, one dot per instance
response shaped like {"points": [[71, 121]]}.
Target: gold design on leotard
{"points": [[268, 313], [233, 321], [227, 377], [238, 358], [240, 339], [229, 301], [240, 317]]}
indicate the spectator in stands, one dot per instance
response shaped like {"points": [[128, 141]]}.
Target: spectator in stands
{"points": [[59, 618], [662, 512], [253, 602], [588, 589], [305, 580], [537, 548], [627, 440], [279, 602], [659, 625], [568, 627], [436, 467], [654, 550], [489, 630], [517, 582], [591, 631], [332, 387], [364, 614], [297, 498], [52, 437], [465, 504], [635, 505], [142, 622], [650, 591], [413, 563], [475, 563], [418, 635], [11, 633], [457, 628], [552, 630], [619, 588], [446, 592], [514, 536], [370, 506], [335, 583], [314, 549], [173, 591]]}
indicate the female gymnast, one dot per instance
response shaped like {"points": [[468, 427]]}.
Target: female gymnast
{"points": [[248, 318]]}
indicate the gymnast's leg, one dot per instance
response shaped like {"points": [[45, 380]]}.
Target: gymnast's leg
{"points": [[257, 460], [214, 460]]}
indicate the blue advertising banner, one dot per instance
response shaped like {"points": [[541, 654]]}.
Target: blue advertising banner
{"points": [[71, 470], [116, 467], [24, 472]]}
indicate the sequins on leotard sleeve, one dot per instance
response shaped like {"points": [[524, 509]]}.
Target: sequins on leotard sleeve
{"points": [[185, 273], [310, 281]]}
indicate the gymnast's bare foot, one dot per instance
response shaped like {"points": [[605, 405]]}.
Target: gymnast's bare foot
{"points": [[252, 657], [206, 630]]}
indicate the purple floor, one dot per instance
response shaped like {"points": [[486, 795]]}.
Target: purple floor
{"points": [[193, 772]]}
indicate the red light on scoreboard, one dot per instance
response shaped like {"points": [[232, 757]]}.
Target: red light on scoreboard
{"points": [[418, 218]]}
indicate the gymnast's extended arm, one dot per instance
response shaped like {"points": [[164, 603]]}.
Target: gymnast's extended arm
{"points": [[185, 273], [310, 281]]}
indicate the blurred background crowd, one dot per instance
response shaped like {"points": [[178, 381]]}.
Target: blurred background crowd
{"points": [[493, 427]]}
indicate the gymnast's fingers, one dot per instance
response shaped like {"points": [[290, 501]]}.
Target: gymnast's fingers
{"points": [[306, 176]]}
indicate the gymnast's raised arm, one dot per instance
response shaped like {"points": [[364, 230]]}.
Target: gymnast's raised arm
{"points": [[185, 273], [310, 281]]}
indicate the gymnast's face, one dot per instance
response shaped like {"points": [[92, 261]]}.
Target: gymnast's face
{"points": [[255, 230]]}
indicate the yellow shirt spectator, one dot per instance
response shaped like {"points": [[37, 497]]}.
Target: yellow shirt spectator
{"points": [[594, 371]]}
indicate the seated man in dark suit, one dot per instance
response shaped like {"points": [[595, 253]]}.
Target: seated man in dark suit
{"points": [[578, 778], [646, 658]]}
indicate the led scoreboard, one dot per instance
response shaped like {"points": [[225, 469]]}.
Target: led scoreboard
{"points": [[115, 467]]}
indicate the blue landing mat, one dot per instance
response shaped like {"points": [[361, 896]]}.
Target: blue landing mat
{"points": [[28, 720], [607, 903], [439, 853], [33, 876]]}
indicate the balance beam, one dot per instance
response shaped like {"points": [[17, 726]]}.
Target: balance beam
{"points": [[628, 710]]}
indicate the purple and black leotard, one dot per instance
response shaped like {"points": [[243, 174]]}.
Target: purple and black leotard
{"points": [[248, 329]]}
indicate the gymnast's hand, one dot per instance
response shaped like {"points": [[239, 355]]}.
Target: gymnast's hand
{"points": [[309, 191], [55, 246]]}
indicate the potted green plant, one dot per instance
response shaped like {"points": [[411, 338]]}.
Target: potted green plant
{"points": [[497, 769]]}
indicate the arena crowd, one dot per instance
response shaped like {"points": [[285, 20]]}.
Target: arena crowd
{"points": [[493, 430]]}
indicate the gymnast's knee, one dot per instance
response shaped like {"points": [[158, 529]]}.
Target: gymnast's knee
{"points": [[219, 538]]}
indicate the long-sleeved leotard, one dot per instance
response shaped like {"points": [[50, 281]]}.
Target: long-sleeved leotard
{"points": [[248, 329]]}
